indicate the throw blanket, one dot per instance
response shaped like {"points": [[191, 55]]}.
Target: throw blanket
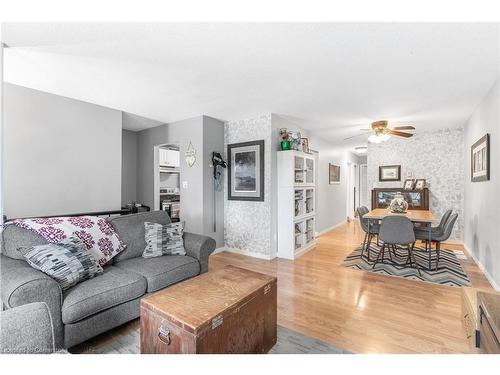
{"points": [[97, 233]]}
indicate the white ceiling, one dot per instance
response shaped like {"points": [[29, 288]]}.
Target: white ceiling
{"points": [[329, 78]]}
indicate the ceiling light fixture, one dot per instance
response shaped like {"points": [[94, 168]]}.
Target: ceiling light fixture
{"points": [[361, 149], [378, 138]]}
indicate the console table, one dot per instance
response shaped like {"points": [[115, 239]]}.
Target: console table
{"points": [[417, 199]]}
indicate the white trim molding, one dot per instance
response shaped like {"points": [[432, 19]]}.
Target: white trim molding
{"points": [[482, 268]]}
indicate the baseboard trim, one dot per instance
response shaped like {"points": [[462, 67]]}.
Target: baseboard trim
{"points": [[483, 269], [330, 228], [243, 252]]}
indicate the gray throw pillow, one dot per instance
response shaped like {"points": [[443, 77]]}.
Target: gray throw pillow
{"points": [[68, 262], [163, 239]]}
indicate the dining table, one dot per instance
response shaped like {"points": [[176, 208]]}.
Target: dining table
{"points": [[415, 216]]}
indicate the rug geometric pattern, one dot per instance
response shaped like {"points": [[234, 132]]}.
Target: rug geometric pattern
{"points": [[449, 272]]}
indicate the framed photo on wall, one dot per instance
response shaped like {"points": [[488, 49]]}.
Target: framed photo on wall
{"points": [[480, 160], [334, 174], [389, 173], [246, 171]]}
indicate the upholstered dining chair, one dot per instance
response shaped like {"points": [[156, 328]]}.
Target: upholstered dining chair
{"points": [[397, 231], [423, 233], [374, 229], [437, 236]]}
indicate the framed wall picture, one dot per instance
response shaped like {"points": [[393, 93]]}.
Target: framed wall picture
{"points": [[389, 173], [480, 160], [409, 184], [246, 171], [334, 174], [420, 184]]}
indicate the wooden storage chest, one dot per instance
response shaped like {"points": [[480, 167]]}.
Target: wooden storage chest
{"points": [[230, 310]]}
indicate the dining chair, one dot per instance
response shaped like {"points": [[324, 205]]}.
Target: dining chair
{"points": [[374, 229], [397, 231], [423, 233], [438, 237]]}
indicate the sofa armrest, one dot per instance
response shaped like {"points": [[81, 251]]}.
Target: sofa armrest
{"points": [[27, 329], [21, 284], [199, 247]]}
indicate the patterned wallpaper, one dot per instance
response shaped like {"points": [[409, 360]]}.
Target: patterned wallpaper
{"points": [[248, 224], [437, 157]]}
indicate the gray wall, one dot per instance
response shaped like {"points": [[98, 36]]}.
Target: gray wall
{"points": [[213, 140], [129, 166], [482, 199], [204, 133], [59, 155], [436, 156]]}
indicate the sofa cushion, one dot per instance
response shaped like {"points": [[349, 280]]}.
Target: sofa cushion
{"points": [[68, 262], [130, 228], [14, 237], [163, 240], [163, 271], [113, 287]]}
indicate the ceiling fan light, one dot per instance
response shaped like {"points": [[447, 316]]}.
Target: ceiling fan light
{"points": [[378, 138]]}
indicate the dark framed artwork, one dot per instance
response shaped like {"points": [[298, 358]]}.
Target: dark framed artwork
{"points": [[480, 160], [333, 174], [246, 171], [389, 173]]}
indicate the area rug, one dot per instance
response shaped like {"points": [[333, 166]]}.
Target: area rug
{"points": [[126, 339], [449, 272]]}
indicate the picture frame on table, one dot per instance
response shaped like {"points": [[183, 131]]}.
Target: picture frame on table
{"points": [[420, 184], [409, 184], [305, 144], [389, 173], [246, 171]]}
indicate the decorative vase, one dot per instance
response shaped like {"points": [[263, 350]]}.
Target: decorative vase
{"points": [[398, 204], [285, 145]]}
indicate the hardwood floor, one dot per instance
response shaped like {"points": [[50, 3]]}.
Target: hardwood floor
{"points": [[360, 311]]}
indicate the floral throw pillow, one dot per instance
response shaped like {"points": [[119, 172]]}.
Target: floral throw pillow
{"points": [[68, 262], [163, 239], [96, 233]]}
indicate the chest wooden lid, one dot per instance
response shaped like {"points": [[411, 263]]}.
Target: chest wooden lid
{"points": [[194, 303]]}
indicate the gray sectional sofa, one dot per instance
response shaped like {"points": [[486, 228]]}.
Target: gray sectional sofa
{"points": [[110, 299]]}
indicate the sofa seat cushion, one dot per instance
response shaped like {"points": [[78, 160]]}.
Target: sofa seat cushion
{"points": [[163, 271], [113, 287]]}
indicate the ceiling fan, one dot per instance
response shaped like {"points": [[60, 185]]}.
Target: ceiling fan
{"points": [[382, 132]]}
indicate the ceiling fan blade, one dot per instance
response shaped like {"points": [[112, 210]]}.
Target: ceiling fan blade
{"points": [[366, 130], [354, 136], [399, 134], [406, 127]]}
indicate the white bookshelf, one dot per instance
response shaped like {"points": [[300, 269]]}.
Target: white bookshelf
{"points": [[296, 203]]}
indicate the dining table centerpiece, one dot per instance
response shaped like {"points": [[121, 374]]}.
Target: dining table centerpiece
{"points": [[398, 205]]}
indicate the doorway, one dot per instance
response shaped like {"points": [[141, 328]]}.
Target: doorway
{"points": [[167, 180], [363, 185]]}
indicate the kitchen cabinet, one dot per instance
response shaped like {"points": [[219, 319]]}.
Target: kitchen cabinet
{"points": [[169, 158]]}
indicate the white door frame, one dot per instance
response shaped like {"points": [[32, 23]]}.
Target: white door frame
{"points": [[363, 199], [352, 200]]}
